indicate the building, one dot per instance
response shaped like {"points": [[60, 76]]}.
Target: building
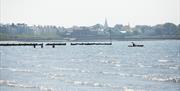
{"points": [[105, 24]]}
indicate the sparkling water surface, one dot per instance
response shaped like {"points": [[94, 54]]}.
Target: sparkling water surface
{"points": [[117, 67]]}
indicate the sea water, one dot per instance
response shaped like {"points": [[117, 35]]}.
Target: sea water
{"points": [[116, 67]]}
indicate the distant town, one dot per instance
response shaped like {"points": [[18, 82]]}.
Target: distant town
{"points": [[24, 32]]}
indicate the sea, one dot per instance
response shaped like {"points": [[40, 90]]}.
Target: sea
{"points": [[116, 67]]}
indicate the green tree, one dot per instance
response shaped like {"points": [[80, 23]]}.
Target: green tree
{"points": [[169, 28], [178, 30]]}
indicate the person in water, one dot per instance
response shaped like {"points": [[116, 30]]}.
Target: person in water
{"points": [[133, 44]]}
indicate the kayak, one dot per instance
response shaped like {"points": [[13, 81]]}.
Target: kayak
{"points": [[135, 45]]}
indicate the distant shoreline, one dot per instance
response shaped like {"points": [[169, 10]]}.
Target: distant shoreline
{"points": [[98, 40]]}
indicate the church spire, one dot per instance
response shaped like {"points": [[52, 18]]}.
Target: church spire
{"points": [[105, 24]]}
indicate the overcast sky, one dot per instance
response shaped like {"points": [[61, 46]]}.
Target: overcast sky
{"points": [[89, 12]]}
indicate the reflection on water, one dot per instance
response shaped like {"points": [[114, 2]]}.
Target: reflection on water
{"points": [[154, 67]]}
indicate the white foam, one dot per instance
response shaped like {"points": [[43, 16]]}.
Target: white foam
{"points": [[176, 67], [163, 61], [113, 86], [54, 76], [143, 66], [7, 82], [127, 89], [163, 79], [166, 79], [140, 65], [97, 84], [78, 82], [110, 62], [15, 84], [46, 89], [130, 89], [94, 84], [115, 73], [39, 65], [66, 69], [18, 70], [118, 65]]}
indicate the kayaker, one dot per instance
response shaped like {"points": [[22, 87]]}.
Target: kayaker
{"points": [[133, 44]]}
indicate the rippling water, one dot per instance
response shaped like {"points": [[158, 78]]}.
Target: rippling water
{"points": [[154, 67]]}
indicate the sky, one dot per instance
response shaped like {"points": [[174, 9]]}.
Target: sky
{"points": [[68, 13]]}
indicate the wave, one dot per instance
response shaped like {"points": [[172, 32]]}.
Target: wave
{"points": [[143, 66], [7, 82], [80, 83], [162, 61], [114, 73], [117, 65], [17, 85], [149, 77], [110, 61], [176, 67], [14, 84], [77, 82], [71, 69], [120, 74], [18, 70], [163, 79], [55, 76], [39, 65], [42, 88], [93, 84], [130, 89], [66, 69]]}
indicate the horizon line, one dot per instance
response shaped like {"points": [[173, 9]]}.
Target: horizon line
{"points": [[58, 25]]}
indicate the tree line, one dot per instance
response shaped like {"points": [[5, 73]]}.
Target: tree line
{"points": [[21, 31]]}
